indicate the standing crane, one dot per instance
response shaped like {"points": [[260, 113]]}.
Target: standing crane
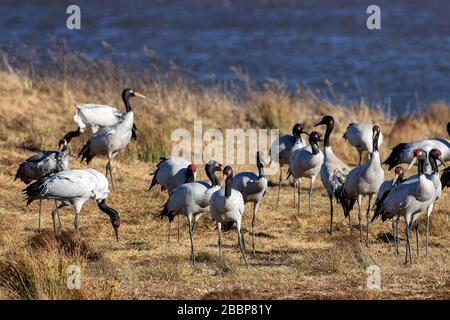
{"points": [[359, 135], [74, 187], [333, 173], [253, 188], [306, 163], [409, 199], [192, 199], [96, 116], [42, 164], [227, 205], [365, 180], [282, 149], [109, 141]]}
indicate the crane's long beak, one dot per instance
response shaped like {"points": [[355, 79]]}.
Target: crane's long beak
{"points": [[395, 180], [414, 160], [443, 162], [218, 167], [140, 95]]}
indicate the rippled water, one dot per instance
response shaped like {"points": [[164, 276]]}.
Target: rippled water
{"points": [[405, 64]]}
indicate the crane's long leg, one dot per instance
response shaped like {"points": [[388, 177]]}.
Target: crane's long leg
{"points": [[367, 219], [395, 234], [311, 181], [255, 210], [359, 216], [241, 241], [279, 186], [416, 227], [75, 221], [53, 218], [170, 230], [429, 210], [219, 242], [330, 196], [178, 231], [191, 235], [295, 186], [40, 214], [109, 168], [408, 245], [299, 186], [57, 212]]}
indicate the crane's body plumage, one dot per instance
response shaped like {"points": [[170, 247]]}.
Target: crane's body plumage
{"points": [[359, 135], [41, 164], [170, 173], [404, 152], [96, 116]]}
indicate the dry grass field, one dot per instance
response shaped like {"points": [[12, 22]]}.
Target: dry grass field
{"points": [[296, 257]]}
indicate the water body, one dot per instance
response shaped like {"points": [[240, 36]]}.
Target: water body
{"points": [[404, 65]]}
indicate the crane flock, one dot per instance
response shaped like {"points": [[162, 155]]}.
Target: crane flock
{"points": [[48, 176]]}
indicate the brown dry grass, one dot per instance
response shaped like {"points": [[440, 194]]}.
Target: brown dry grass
{"points": [[296, 257]]}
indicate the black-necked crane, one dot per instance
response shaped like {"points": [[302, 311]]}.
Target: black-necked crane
{"points": [[227, 205], [359, 135], [409, 199], [282, 149], [306, 163], [333, 173], [109, 141], [253, 188], [385, 188], [433, 156], [404, 152], [365, 180], [74, 187], [42, 164], [96, 116], [191, 199], [171, 173]]}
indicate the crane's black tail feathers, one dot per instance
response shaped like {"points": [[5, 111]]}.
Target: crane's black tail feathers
{"points": [[378, 207], [33, 190], [166, 213], [346, 202], [345, 133], [154, 173], [85, 153], [445, 178], [20, 172], [133, 132], [394, 158]]}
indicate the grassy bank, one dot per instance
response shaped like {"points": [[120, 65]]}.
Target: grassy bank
{"points": [[296, 257]]}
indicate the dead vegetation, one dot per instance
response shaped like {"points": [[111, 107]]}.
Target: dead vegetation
{"points": [[296, 258]]}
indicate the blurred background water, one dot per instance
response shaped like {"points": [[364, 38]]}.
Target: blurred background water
{"points": [[323, 45]]}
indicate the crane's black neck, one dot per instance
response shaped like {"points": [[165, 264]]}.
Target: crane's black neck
{"points": [[448, 128], [72, 134], [189, 175], [228, 181], [126, 101], [113, 214], [211, 173], [315, 148], [433, 163], [326, 140], [421, 166], [260, 166], [375, 142]]}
